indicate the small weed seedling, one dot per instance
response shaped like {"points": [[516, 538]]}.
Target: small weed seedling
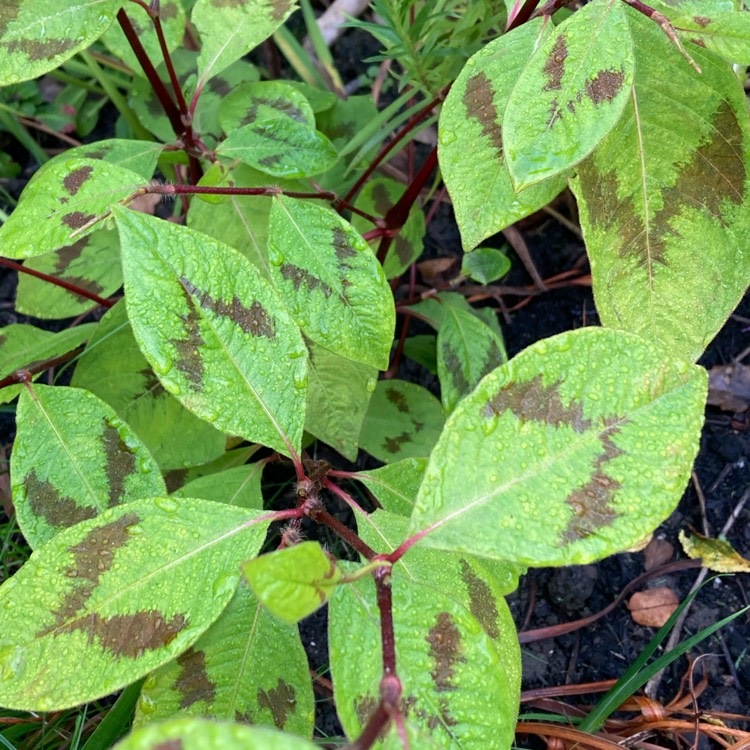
{"points": [[258, 314]]}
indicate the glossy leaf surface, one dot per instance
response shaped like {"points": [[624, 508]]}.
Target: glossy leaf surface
{"points": [[142, 581], [198, 307], [442, 653], [660, 201], [293, 582], [113, 368], [485, 264], [570, 95], [257, 101], [229, 30], [727, 34], [73, 458], [63, 199], [376, 198], [238, 485], [404, 421], [331, 281], [477, 178], [467, 349], [338, 394], [38, 35], [22, 346], [92, 264], [280, 146], [570, 452], [248, 666], [395, 485], [202, 734]]}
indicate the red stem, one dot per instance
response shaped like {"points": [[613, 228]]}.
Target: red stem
{"points": [[80, 291], [345, 496], [410, 125], [523, 14], [343, 532], [16, 377], [373, 729], [208, 190]]}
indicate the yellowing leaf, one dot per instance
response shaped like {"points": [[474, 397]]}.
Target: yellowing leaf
{"points": [[716, 554]]}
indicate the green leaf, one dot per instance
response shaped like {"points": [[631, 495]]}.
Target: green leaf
{"points": [[422, 349], [68, 195], [238, 220], [172, 17], [140, 157], [665, 209], [38, 35], [442, 653], [113, 368], [239, 485], [574, 450], [293, 582], [73, 458], [110, 599], [338, 394], [485, 265], [229, 31], [377, 197], [22, 346], [404, 421], [477, 178], [202, 734], [727, 34], [467, 349], [257, 101], [196, 307], [92, 263], [248, 666], [395, 486], [280, 146], [433, 309], [570, 95], [331, 281]]}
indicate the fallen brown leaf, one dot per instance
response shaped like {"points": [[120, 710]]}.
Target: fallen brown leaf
{"points": [[653, 607], [729, 387], [438, 271], [658, 552]]}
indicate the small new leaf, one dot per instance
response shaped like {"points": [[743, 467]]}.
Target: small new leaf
{"points": [[292, 583]]}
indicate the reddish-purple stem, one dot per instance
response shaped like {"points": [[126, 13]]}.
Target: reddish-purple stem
{"points": [[19, 377], [373, 729], [208, 190], [345, 496], [343, 532], [523, 14], [80, 291]]}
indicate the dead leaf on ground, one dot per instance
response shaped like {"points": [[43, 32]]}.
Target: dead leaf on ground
{"points": [[729, 387], [658, 552], [438, 271], [716, 554], [653, 607]]}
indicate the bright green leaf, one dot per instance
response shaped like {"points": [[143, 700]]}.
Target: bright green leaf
{"points": [[338, 394], [229, 31], [67, 196], [727, 34], [37, 36], [664, 200], [477, 178], [404, 421], [239, 485], [202, 734], [377, 197], [293, 582], [467, 349], [197, 306], [442, 653], [142, 581], [570, 95], [22, 346], [248, 666], [113, 368], [92, 263], [280, 146], [73, 458], [331, 281], [395, 485], [570, 452], [485, 264], [422, 349]]}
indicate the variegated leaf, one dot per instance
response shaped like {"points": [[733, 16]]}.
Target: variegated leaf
{"points": [[108, 600], [572, 451], [73, 458], [665, 208]]}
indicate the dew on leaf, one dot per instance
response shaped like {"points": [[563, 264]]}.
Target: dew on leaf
{"points": [[167, 504]]}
